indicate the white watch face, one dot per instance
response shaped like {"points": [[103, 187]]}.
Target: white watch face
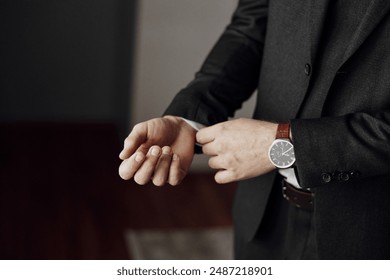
{"points": [[281, 153]]}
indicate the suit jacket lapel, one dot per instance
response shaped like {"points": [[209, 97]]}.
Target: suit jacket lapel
{"points": [[377, 9]]}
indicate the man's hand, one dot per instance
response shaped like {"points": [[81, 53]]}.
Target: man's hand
{"points": [[160, 150], [238, 148]]}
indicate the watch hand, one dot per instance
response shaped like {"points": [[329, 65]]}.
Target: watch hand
{"points": [[286, 151]]}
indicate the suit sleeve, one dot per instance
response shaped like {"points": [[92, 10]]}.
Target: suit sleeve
{"points": [[230, 73], [340, 149]]}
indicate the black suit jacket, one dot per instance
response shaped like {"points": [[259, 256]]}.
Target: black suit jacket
{"points": [[341, 133]]}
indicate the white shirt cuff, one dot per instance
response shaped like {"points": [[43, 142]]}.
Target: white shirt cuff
{"points": [[197, 126]]}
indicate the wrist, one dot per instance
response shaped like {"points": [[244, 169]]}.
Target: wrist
{"points": [[181, 123]]}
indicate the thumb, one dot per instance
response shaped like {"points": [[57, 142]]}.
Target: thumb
{"points": [[135, 139]]}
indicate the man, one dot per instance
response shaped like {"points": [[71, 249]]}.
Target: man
{"points": [[314, 162]]}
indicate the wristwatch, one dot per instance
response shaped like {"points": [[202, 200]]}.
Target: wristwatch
{"points": [[281, 153]]}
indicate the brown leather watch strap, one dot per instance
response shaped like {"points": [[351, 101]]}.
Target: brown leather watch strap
{"points": [[283, 131]]}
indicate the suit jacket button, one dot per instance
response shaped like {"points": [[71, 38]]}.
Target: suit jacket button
{"points": [[344, 176], [307, 69], [326, 177], [355, 174]]}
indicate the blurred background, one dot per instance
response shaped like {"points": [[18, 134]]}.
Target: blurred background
{"points": [[75, 76]]}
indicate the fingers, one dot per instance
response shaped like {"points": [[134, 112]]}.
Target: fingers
{"points": [[159, 165], [145, 172], [217, 162], [129, 166], [161, 173], [169, 169], [211, 149], [176, 172], [206, 135], [224, 176], [140, 165]]}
